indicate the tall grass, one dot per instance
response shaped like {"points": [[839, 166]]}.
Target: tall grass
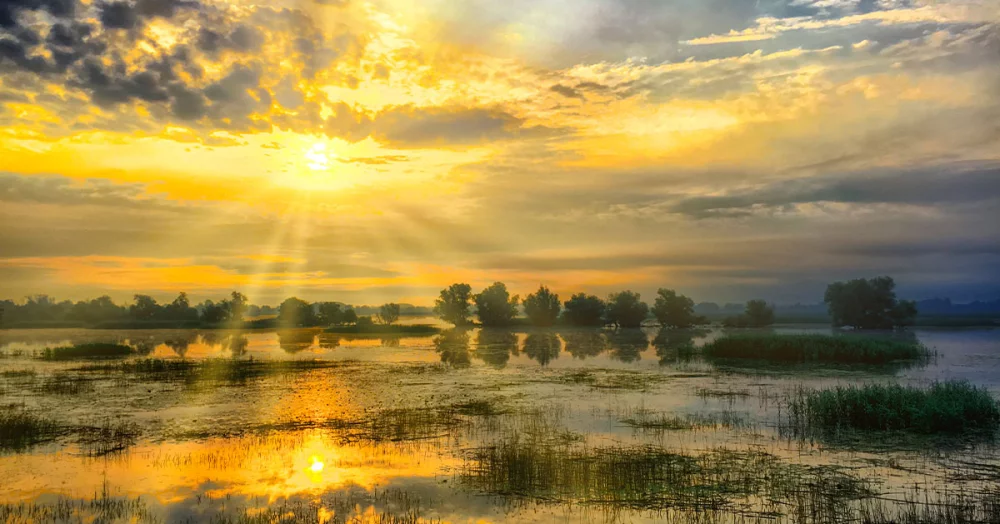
{"points": [[91, 350], [20, 428], [945, 407], [814, 348]]}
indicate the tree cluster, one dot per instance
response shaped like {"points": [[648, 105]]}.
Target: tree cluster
{"points": [[869, 304]]}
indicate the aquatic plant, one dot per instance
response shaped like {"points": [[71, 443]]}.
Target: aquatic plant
{"points": [[20, 428], [89, 350], [814, 348], [111, 436], [944, 407]]}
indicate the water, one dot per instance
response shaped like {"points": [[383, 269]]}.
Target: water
{"points": [[446, 428]]}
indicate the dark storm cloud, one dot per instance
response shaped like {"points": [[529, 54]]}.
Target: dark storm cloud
{"points": [[946, 185], [9, 9]]}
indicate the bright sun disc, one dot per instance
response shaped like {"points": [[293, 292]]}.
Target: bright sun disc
{"points": [[317, 466]]}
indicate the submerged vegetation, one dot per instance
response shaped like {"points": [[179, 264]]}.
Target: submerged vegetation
{"points": [[90, 350], [20, 428], [814, 348], [945, 407], [217, 370]]}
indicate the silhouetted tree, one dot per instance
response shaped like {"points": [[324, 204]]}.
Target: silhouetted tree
{"points": [[144, 308], [213, 313], [454, 303], [626, 309], [673, 310], [757, 314], [237, 307], [350, 316], [542, 307], [495, 306], [294, 312], [760, 313], [868, 304], [388, 313], [584, 310], [330, 313]]}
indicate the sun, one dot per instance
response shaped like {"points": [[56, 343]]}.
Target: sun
{"points": [[317, 465], [318, 158]]}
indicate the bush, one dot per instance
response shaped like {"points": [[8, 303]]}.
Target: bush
{"points": [[814, 348], [946, 407]]}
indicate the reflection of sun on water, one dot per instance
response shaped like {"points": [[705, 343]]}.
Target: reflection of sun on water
{"points": [[317, 465]]}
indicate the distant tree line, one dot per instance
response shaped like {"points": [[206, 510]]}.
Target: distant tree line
{"points": [[860, 304]]}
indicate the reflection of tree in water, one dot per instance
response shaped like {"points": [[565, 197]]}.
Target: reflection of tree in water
{"points": [[389, 342], [237, 344], [585, 344], [542, 347], [179, 344], [328, 341], [627, 344], [453, 345], [676, 345], [293, 341], [144, 347], [495, 346]]}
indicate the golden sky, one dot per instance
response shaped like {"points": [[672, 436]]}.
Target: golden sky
{"points": [[367, 151]]}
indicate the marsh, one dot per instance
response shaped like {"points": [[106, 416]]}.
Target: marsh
{"points": [[567, 425]]}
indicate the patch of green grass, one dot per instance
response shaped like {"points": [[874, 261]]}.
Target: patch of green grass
{"points": [[90, 350], [814, 348], [646, 420], [20, 428], [645, 477], [945, 407]]}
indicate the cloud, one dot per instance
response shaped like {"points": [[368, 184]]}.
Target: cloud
{"points": [[937, 186]]}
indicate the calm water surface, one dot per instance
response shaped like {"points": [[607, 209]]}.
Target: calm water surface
{"points": [[445, 428]]}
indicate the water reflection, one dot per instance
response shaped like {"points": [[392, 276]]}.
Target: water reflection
{"points": [[627, 344], [181, 342], [237, 344], [496, 346], [453, 346], [294, 341], [677, 345], [584, 343], [542, 347]]}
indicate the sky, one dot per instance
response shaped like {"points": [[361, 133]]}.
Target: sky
{"points": [[371, 151]]}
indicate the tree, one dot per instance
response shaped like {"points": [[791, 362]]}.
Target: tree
{"points": [[388, 313], [868, 304], [294, 312], [584, 310], [759, 313], [542, 307], [144, 308], [454, 303], [237, 307], [626, 309], [213, 313], [673, 310], [330, 313], [350, 316], [495, 306]]}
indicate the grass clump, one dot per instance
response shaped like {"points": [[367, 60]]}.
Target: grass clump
{"points": [[67, 384], [214, 371], [91, 350], [945, 407], [110, 437], [20, 428], [814, 348]]}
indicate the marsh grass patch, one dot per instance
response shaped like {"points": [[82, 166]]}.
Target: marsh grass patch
{"points": [[842, 349], [21, 428], [86, 351], [952, 407]]}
